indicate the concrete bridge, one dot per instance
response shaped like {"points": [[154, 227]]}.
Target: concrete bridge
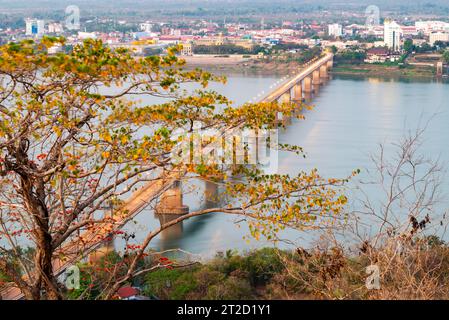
{"points": [[168, 189], [305, 82]]}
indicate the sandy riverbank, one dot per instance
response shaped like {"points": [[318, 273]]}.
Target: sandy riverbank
{"points": [[241, 63], [213, 60], [385, 71]]}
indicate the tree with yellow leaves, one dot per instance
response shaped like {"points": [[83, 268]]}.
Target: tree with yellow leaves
{"points": [[74, 138]]}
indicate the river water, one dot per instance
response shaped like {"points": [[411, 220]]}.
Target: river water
{"points": [[352, 115]]}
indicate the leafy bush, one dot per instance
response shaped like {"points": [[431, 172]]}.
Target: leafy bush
{"points": [[4, 278], [262, 265], [273, 274], [232, 288], [170, 283], [229, 277]]}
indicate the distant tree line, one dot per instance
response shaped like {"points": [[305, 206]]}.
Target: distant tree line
{"points": [[309, 54], [409, 47], [226, 49], [350, 56], [289, 46], [446, 56]]}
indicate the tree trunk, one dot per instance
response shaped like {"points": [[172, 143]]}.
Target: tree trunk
{"points": [[34, 196], [45, 268]]}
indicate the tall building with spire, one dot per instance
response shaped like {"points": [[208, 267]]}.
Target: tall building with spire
{"points": [[392, 35]]}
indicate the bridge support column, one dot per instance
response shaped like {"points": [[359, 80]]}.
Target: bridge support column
{"points": [[172, 232], [171, 201], [307, 85], [316, 78], [330, 64], [211, 194], [439, 69], [298, 91], [286, 97], [106, 248], [323, 72]]}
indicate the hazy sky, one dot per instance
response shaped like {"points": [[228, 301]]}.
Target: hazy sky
{"points": [[176, 5], [158, 3]]}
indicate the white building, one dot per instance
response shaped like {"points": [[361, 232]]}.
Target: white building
{"points": [[438, 36], [55, 28], [86, 35], [34, 27], [428, 27], [335, 30], [392, 35], [146, 27], [186, 49]]}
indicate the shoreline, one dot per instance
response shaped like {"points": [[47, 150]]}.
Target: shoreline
{"points": [[382, 71], [258, 67]]}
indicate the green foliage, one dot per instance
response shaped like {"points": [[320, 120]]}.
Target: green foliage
{"points": [[171, 283], [87, 289], [4, 277], [408, 45], [446, 56], [259, 266], [233, 276], [231, 288], [288, 46], [425, 47], [309, 54], [94, 276], [434, 241], [350, 56]]}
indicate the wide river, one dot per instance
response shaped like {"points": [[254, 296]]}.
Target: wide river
{"points": [[352, 116]]}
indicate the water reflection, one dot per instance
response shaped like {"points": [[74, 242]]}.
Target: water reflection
{"points": [[172, 237], [352, 116]]}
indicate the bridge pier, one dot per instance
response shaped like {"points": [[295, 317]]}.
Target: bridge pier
{"points": [[323, 72], [171, 233], [286, 97], [211, 194], [171, 201], [316, 77], [308, 97], [330, 64], [307, 84], [298, 91]]}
